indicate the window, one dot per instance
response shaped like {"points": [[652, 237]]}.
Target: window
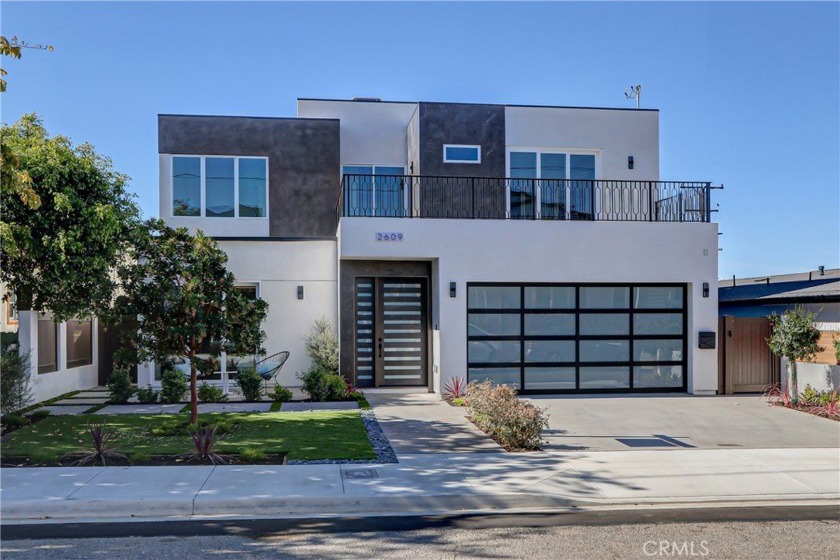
{"points": [[47, 344], [219, 187], [588, 337], [545, 184], [11, 310], [456, 153], [374, 190], [79, 343], [250, 291]]}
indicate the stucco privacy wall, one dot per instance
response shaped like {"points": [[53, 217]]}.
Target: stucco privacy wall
{"points": [[488, 251], [279, 267], [371, 132], [616, 133]]}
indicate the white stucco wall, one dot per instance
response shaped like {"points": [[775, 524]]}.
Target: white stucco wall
{"points": [[464, 251], [371, 132], [614, 134], [63, 380], [214, 227], [279, 267]]}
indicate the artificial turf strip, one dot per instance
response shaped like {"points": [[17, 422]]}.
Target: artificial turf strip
{"points": [[336, 434]]}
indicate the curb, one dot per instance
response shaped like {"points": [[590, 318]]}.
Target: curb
{"points": [[206, 508]]}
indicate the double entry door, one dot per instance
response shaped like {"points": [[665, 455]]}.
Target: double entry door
{"points": [[391, 331]]}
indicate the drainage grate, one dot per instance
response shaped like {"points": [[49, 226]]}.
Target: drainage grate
{"points": [[360, 473]]}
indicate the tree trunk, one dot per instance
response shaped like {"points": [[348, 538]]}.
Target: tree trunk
{"points": [[794, 386], [193, 388]]}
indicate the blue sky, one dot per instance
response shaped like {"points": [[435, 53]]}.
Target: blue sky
{"points": [[749, 93]]}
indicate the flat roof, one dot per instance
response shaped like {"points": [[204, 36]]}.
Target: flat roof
{"points": [[249, 117], [467, 103]]}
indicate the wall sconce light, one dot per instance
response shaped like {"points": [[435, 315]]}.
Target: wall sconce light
{"points": [[300, 292], [705, 289], [630, 162], [452, 290]]}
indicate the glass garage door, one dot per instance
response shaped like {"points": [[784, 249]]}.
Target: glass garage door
{"points": [[578, 338]]}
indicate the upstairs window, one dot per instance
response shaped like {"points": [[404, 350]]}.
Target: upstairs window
{"points": [[459, 153], [219, 187]]}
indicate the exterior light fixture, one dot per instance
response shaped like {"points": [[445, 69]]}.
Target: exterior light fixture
{"points": [[300, 292]]}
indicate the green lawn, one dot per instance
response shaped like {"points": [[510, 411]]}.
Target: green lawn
{"points": [[301, 435]]}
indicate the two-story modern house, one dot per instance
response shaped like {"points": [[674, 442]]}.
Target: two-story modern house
{"points": [[531, 245]]}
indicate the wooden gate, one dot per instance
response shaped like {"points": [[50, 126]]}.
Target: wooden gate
{"points": [[745, 363]]}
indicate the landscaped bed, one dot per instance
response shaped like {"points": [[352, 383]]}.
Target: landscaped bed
{"points": [[164, 438]]}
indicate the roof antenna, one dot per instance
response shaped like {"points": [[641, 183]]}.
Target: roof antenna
{"points": [[634, 92]]}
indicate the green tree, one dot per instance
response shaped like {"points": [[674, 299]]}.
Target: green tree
{"points": [[178, 288], [61, 255], [796, 337], [15, 181]]}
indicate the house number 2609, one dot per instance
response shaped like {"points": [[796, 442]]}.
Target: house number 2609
{"points": [[388, 236]]}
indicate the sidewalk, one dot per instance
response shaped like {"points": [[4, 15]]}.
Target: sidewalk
{"points": [[427, 483]]}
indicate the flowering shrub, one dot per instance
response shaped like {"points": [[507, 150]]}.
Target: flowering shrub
{"points": [[515, 424]]}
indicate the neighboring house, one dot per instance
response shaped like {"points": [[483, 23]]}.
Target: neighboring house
{"points": [[63, 355], [745, 305], [524, 244]]}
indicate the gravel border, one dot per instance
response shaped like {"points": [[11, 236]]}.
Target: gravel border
{"points": [[378, 440]]}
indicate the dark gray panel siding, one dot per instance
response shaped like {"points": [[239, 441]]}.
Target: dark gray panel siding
{"points": [[460, 123], [303, 159]]}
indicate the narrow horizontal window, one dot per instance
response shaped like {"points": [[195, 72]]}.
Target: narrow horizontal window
{"points": [[456, 153]]}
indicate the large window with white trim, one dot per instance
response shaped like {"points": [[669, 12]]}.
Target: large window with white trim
{"points": [[220, 186], [578, 338], [551, 185]]}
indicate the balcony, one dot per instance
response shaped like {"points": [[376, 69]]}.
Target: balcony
{"points": [[419, 196]]}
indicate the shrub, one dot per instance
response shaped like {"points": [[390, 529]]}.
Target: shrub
{"points": [[14, 420], [173, 387], [281, 394], [812, 397], [41, 413], [119, 385], [512, 422], [250, 383], [322, 385], [455, 388], [458, 401], [355, 395], [211, 394], [147, 395], [252, 454], [837, 349], [322, 346], [101, 437], [204, 440], [15, 380]]}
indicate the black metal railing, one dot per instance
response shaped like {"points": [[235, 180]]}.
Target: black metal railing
{"points": [[420, 196]]}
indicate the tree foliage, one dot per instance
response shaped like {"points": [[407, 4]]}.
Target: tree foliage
{"points": [[177, 286], [796, 337], [15, 181], [60, 256]]}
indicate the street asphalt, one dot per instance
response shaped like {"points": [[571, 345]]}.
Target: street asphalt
{"points": [[802, 534]]}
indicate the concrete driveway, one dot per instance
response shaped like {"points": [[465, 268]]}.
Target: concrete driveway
{"points": [[624, 422]]}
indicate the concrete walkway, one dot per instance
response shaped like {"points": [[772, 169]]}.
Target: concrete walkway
{"points": [[428, 483], [420, 422]]}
